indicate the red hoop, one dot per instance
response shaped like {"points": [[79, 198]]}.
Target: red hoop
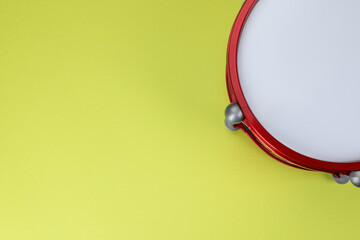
{"points": [[252, 126]]}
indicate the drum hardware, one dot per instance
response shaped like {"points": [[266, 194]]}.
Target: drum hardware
{"points": [[233, 116]]}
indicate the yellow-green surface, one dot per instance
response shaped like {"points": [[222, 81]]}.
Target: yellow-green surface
{"points": [[111, 127]]}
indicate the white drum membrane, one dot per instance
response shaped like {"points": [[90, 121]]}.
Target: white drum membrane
{"points": [[299, 69]]}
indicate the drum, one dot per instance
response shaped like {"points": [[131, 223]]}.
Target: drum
{"points": [[293, 79]]}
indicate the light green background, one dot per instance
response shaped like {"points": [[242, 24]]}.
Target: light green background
{"points": [[111, 127]]}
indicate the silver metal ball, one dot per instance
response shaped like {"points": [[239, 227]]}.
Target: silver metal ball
{"points": [[355, 178], [230, 126], [233, 114], [342, 179]]}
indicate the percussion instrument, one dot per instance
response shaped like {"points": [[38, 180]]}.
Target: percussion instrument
{"points": [[293, 79]]}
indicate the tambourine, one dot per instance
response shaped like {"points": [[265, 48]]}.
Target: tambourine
{"points": [[293, 79]]}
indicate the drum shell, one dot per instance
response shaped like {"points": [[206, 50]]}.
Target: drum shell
{"points": [[251, 125]]}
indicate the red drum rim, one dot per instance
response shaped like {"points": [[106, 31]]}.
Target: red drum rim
{"points": [[252, 126]]}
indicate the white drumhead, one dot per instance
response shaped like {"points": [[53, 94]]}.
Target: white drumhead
{"points": [[299, 69]]}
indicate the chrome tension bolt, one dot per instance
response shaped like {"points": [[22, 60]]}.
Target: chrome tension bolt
{"points": [[233, 116]]}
